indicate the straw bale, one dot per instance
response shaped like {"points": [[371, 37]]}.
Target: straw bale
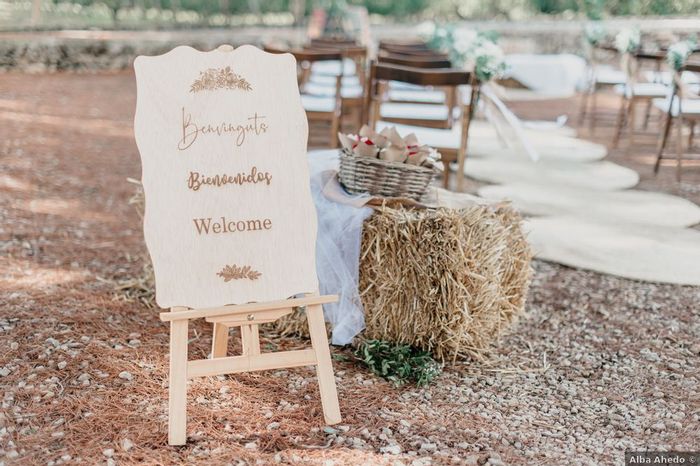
{"points": [[447, 281]]}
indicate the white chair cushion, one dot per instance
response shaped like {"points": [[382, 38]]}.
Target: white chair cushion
{"points": [[314, 103], [666, 77], [643, 90], [327, 80], [347, 92], [332, 67], [416, 111], [427, 96], [405, 86], [609, 76], [689, 106]]}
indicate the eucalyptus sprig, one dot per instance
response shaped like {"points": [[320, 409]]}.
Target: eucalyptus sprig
{"points": [[398, 363], [594, 33], [679, 52]]}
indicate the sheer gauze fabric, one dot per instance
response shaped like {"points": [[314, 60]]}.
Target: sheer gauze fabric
{"points": [[340, 219]]}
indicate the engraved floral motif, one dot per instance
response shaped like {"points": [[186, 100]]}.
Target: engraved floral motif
{"points": [[219, 78], [234, 272]]}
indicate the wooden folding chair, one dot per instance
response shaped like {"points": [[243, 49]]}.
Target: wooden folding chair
{"points": [[599, 77], [381, 74], [438, 97], [319, 108], [682, 107], [352, 96], [634, 92]]}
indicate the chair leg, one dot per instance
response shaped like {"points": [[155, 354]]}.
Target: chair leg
{"points": [[691, 135], [631, 120], [593, 112], [662, 143], [250, 340], [462, 153], [647, 114], [446, 177], [219, 342], [335, 127], [679, 148], [620, 121], [177, 400], [324, 366], [583, 107]]}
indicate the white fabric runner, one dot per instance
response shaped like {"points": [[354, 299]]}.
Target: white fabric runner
{"points": [[641, 252], [338, 247]]}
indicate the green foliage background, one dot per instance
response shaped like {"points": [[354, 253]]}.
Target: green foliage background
{"points": [[143, 14], [402, 8]]}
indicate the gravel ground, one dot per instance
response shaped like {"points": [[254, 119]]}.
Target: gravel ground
{"points": [[598, 365]]}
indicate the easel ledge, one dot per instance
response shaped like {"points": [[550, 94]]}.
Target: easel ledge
{"points": [[243, 308]]}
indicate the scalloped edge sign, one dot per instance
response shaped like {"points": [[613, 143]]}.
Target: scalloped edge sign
{"points": [[229, 217]]}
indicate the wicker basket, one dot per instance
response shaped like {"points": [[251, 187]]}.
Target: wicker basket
{"points": [[381, 178]]}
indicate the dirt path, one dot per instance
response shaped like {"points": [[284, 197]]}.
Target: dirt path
{"points": [[598, 366]]}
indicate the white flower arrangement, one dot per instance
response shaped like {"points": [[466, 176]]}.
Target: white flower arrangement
{"points": [[489, 60], [627, 40], [466, 46], [462, 46], [437, 37], [679, 52], [594, 33]]}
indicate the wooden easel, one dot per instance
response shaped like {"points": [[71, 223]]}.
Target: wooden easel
{"points": [[229, 253], [248, 317]]}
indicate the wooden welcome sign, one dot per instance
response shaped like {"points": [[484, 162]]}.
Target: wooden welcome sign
{"points": [[229, 221]]}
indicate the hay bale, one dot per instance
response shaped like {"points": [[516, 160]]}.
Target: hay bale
{"points": [[446, 281]]}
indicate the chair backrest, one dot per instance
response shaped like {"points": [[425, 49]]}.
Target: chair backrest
{"points": [[308, 56], [380, 74], [333, 41], [356, 53], [419, 76], [419, 61], [305, 58], [405, 44], [693, 67], [408, 50], [229, 217]]}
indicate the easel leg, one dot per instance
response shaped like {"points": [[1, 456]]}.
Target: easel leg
{"points": [[250, 339], [324, 366], [177, 402], [219, 343]]}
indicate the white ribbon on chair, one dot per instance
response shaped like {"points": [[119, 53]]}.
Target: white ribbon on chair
{"points": [[505, 121]]}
